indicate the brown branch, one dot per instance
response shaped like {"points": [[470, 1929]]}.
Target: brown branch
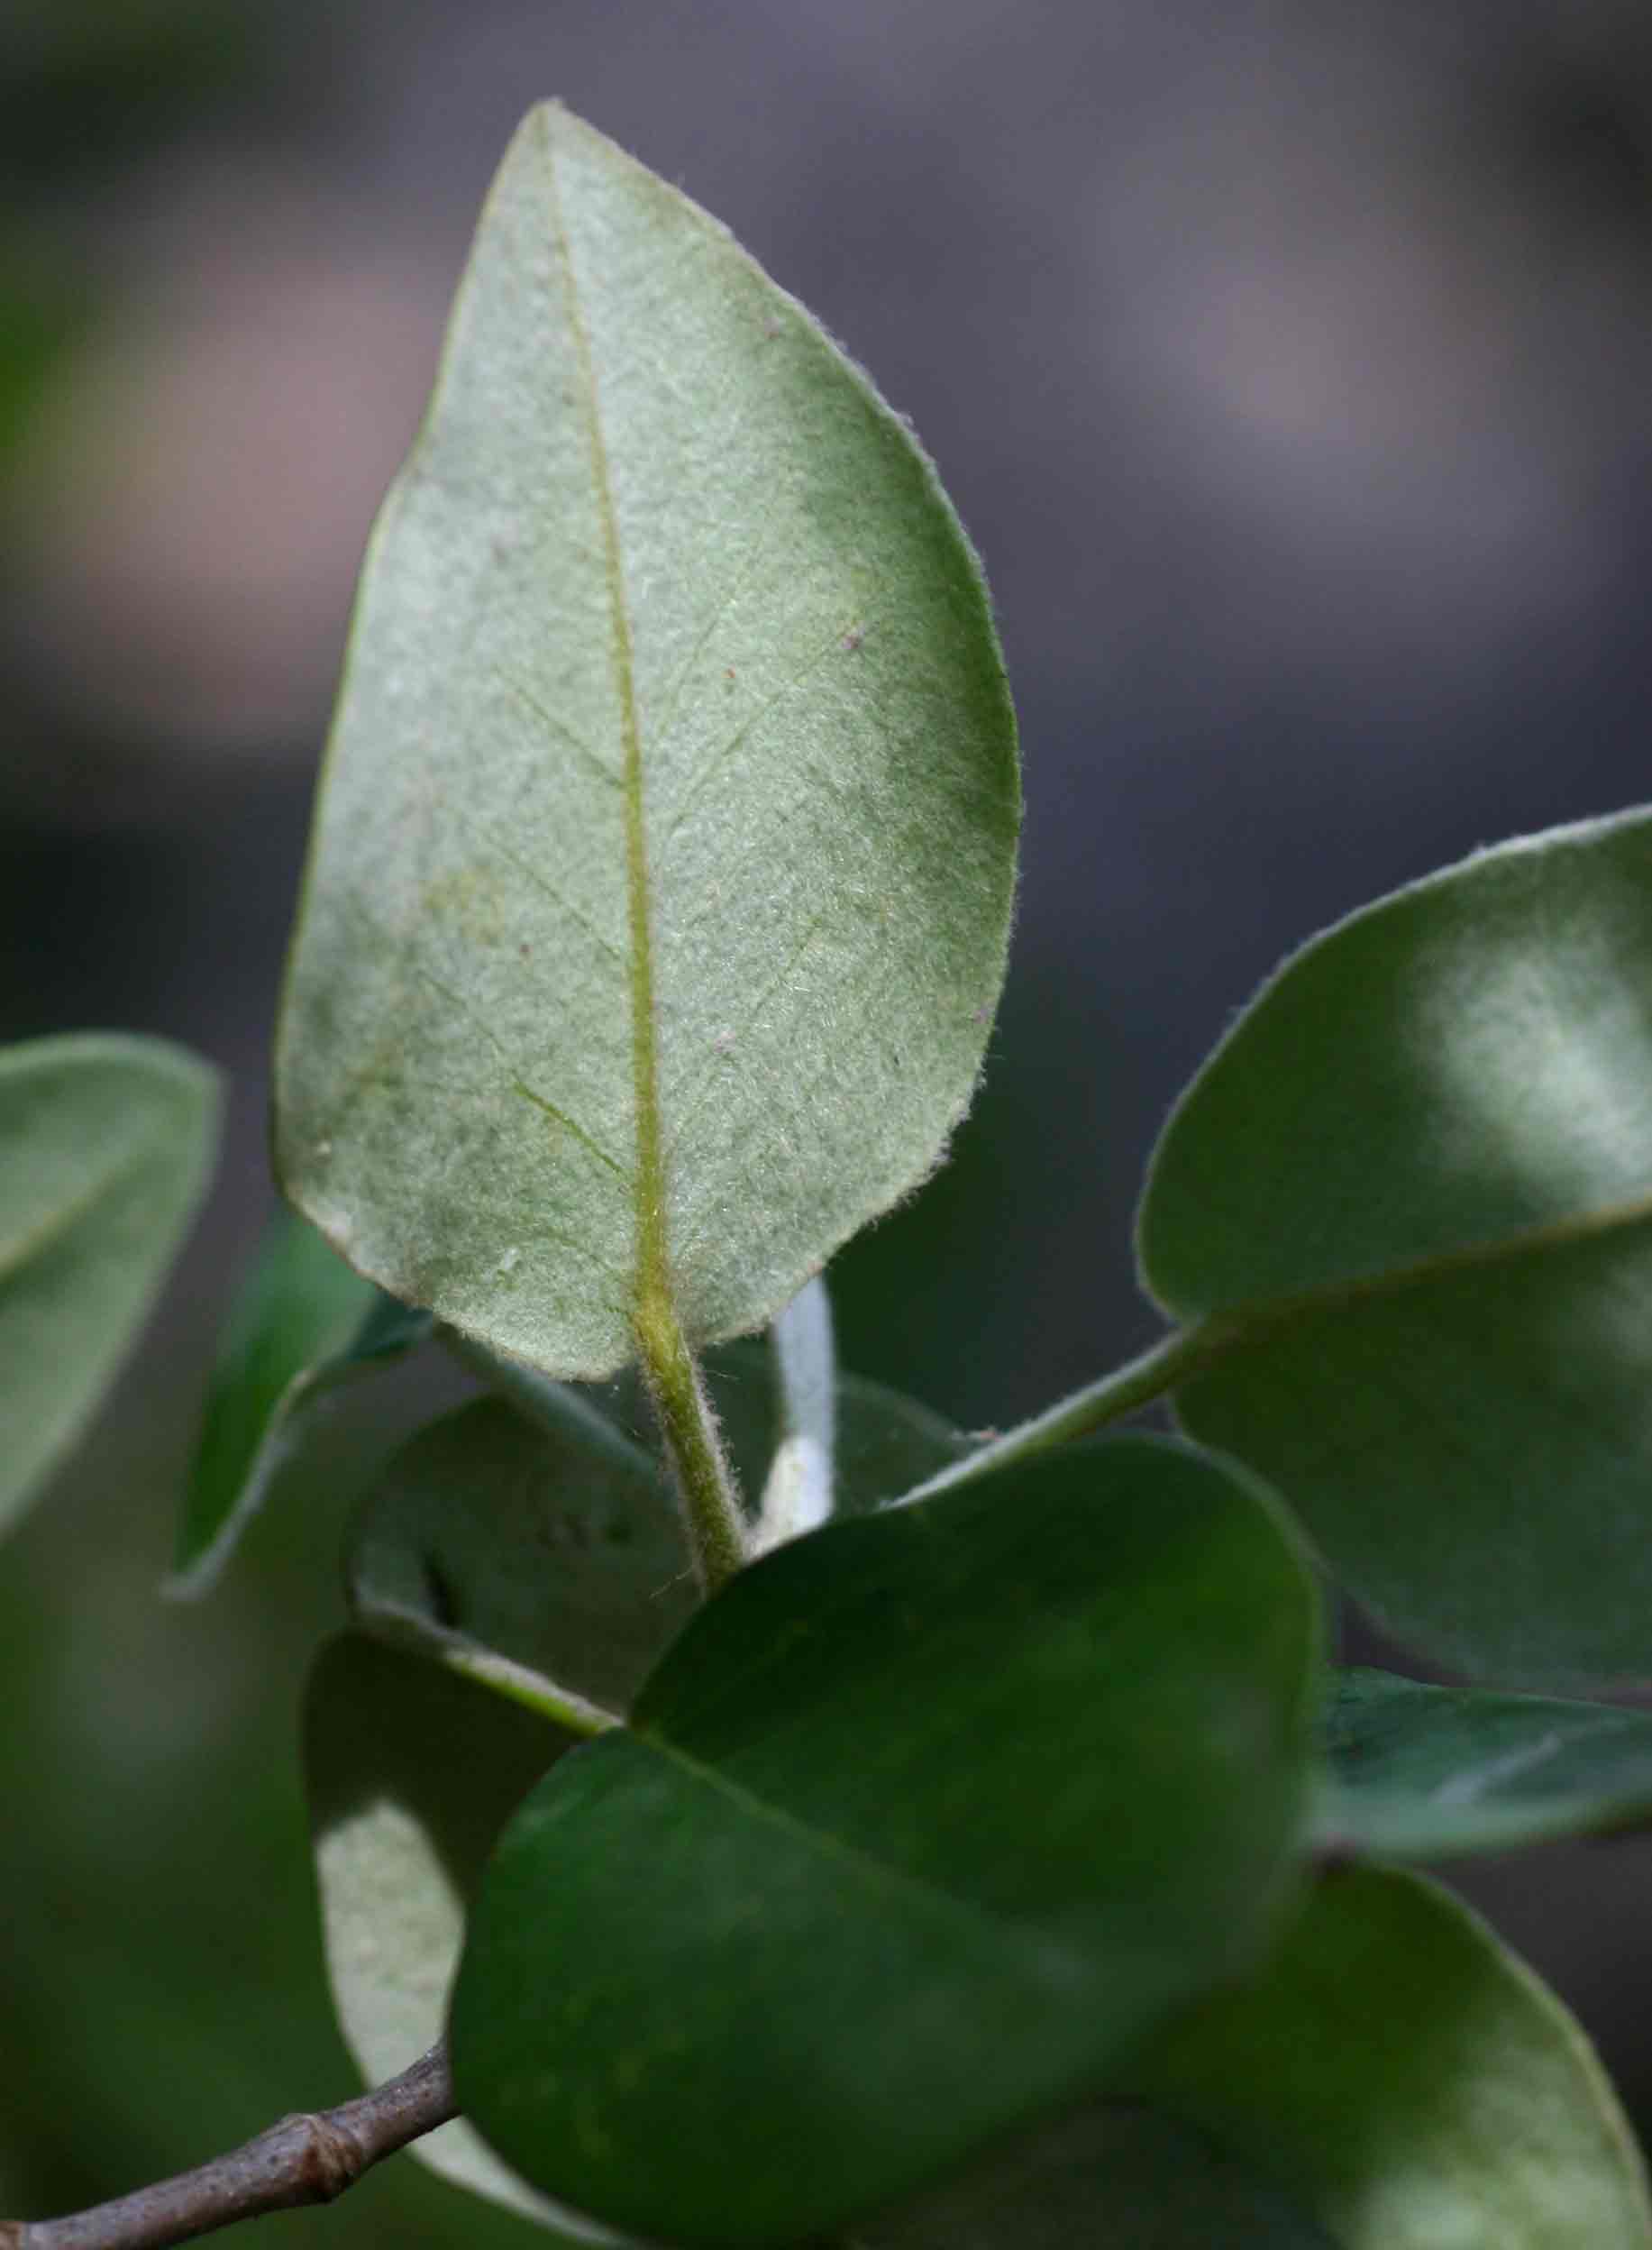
{"points": [[306, 2159]]}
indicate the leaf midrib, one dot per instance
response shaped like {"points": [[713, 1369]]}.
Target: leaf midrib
{"points": [[63, 1218], [647, 1182], [1248, 1323]]}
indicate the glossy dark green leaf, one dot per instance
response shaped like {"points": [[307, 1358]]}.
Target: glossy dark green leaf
{"points": [[921, 1824], [302, 1325], [107, 1144], [1409, 2083], [410, 1773], [1118, 2176], [658, 898], [1422, 1772], [1410, 1197]]}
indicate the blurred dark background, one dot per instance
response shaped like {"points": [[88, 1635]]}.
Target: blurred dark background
{"points": [[1293, 369]]}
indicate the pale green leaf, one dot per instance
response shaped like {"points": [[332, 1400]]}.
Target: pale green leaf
{"points": [[1410, 2084], [105, 1146], [921, 1824], [410, 1774], [660, 889], [1410, 1200], [1422, 1772], [302, 1325]]}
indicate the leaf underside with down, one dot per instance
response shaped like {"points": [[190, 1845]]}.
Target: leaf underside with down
{"points": [[921, 1823], [302, 1325], [1411, 1192], [1423, 1772], [108, 1143], [555, 1547], [1407, 2084], [410, 1774], [660, 889]]}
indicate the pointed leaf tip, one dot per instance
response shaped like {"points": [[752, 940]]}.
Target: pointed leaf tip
{"points": [[664, 856]]}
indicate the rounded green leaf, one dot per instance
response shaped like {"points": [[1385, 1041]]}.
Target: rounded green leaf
{"points": [[1410, 1196], [410, 1773], [108, 1147], [1408, 2084], [302, 1324], [1422, 1772], [659, 888], [921, 1824]]}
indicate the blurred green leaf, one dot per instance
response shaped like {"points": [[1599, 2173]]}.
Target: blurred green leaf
{"points": [[301, 1325], [90, 85], [924, 1820], [1408, 2082], [1412, 1195], [411, 1774], [42, 320], [1422, 1772], [660, 886], [108, 1144]]}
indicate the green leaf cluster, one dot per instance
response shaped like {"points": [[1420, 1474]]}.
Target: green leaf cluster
{"points": [[804, 1822]]}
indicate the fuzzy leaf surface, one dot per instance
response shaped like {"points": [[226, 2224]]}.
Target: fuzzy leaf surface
{"points": [[660, 889], [921, 1823], [1412, 1193], [1407, 2082], [302, 1324], [107, 1144], [1422, 1772]]}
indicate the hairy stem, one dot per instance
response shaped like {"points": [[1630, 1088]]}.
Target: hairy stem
{"points": [[457, 1653], [711, 1510], [704, 1483], [1125, 1391], [304, 2159]]}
